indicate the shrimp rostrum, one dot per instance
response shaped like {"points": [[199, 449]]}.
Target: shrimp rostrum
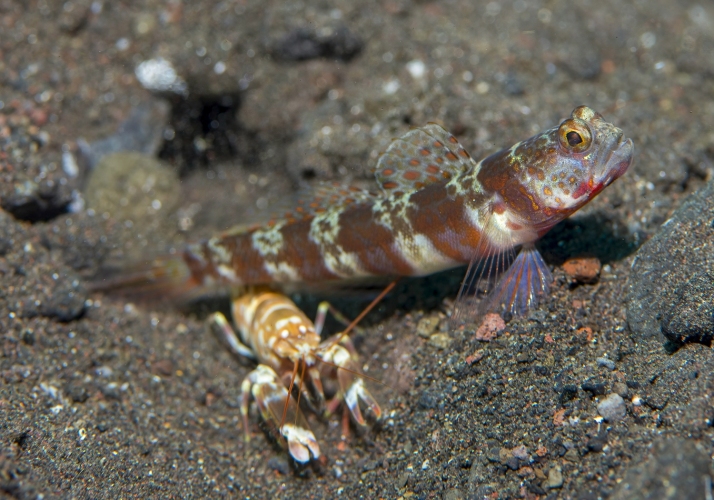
{"points": [[292, 363]]}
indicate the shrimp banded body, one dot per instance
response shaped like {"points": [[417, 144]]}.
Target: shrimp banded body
{"points": [[437, 209], [291, 355]]}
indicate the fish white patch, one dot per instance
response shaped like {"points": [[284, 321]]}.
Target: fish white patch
{"points": [[475, 217], [228, 273], [394, 206], [339, 262], [196, 251], [219, 251], [498, 233], [282, 271], [268, 241], [324, 231], [457, 183], [421, 254]]}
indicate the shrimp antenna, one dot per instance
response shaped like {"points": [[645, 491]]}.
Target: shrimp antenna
{"points": [[366, 311], [302, 378], [290, 390]]}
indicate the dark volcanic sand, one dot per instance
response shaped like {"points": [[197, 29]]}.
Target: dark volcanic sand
{"points": [[101, 398]]}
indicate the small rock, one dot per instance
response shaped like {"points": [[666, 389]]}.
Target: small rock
{"points": [[302, 44], [474, 358], [163, 367], [74, 18], [612, 408], [111, 391], [402, 480], [572, 455], [77, 393], [606, 362], [583, 269], [141, 132], [520, 452], [621, 389], [66, 300], [493, 454], [159, 75], [279, 464], [555, 478], [440, 340], [513, 463], [597, 443], [453, 494], [429, 400], [490, 326], [568, 392], [526, 472], [594, 388], [371, 465], [504, 455], [427, 326], [28, 336]]}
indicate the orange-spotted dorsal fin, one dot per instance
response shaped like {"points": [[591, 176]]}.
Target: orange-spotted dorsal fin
{"points": [[420, 157]]}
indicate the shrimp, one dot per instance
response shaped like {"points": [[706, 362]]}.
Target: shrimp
{"points": [[290, 353]]}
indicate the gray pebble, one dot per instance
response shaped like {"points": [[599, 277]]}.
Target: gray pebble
{"points": [[440, 340], [333, 42], [279, 464], [427, 326], [612, 408], [555, 478], [402, 480], [606, 362], [141, 132], [453, 494], [66, 300]]}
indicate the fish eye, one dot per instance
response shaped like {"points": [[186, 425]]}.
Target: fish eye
{"points": [[573, 138], [574, 135]]}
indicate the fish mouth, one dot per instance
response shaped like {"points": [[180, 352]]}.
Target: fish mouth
{"points": [[618, 162]]}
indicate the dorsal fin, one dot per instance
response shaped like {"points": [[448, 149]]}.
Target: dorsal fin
{"points": [[420, 157]]}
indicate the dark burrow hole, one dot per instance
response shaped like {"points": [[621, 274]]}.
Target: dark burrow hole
{"points": [[204, 130], [309, 174]]}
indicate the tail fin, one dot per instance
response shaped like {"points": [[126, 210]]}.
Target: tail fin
{"points": [[166, 278]]}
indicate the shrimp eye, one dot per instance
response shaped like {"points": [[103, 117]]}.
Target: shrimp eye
{"points": [[573, 138], [574, 135]]}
